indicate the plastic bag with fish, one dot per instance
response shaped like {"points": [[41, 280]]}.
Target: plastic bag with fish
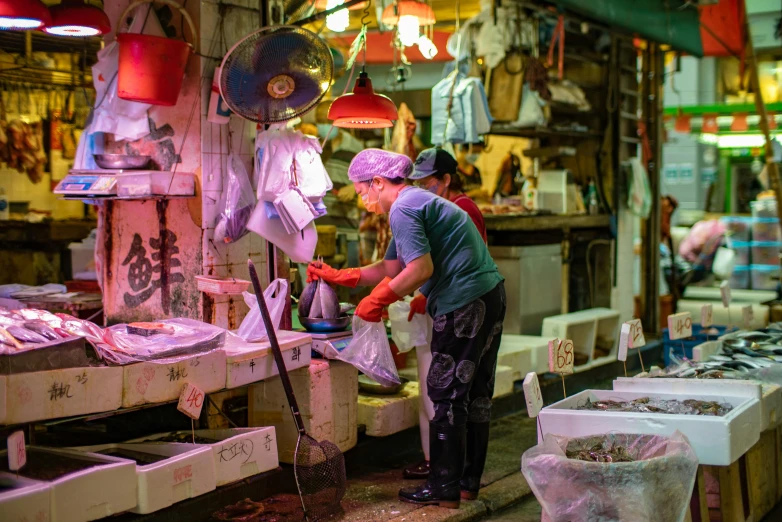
{"points": [[319, 301], [370, 352]]}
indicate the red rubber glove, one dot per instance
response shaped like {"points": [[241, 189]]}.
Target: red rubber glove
{"points": [[347, 277], [417, 306], [371, 307]]}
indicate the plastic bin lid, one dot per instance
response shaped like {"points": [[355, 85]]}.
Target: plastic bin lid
{"points": [[738, 244], [765, 220], [764, 268], [741, 268], [766, 244], [729, 219]]}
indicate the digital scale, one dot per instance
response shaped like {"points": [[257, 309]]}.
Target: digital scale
{"points": [[125, 184], [330, 344]]}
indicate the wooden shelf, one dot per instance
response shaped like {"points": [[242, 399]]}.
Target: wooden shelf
{"points": [[542, 132], [500, 222]]}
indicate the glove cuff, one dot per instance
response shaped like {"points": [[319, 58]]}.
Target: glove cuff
{"points": [[352, 277], [383, 293]]}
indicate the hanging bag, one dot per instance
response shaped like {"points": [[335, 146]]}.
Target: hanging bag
{"points": [[252, 328]]}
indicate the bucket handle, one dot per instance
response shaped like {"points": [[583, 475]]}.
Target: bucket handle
{"points": [[171, 3]]}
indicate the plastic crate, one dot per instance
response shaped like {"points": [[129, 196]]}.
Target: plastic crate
{"points": [[682, 348], [740, 278], [738, 227]]}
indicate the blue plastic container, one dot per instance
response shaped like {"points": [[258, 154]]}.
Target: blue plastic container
{"points": [[737, 227], [739, 279], [682, 348], [765, 277]]}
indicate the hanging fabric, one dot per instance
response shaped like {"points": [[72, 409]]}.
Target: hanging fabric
{"points": [[558, 37]]}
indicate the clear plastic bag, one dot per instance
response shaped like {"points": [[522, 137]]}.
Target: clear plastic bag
{"points": [[239, 203], [656, 486], [639, 197], [408, 334], [252, 328], [370, 352]]}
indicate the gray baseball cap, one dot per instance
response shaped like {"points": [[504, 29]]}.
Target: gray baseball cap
{"points": [[433, 161]]}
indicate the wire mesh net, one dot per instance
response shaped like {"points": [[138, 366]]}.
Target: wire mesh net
{"points": [[320, 476], [276, 74]]}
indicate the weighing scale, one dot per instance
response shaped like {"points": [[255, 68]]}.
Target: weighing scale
{"points": [[88, 184], [330, 344]]}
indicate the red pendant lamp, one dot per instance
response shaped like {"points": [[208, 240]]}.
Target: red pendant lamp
{"points": [[23, 14], [321, 5], [392, 13], [76, 18], [363, 109]]}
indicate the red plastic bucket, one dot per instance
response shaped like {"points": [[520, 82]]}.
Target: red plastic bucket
{"points": [[151, 68]]}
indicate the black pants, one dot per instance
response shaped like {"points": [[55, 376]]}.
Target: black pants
{"points": [[464, 358]]}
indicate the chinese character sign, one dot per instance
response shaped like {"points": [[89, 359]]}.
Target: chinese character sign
{"points": [[149, 273]]}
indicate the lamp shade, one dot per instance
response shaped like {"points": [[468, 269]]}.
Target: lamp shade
{"points": [[321, 5], [23, 14], [363, 109], [420, 10], [75, 18]]}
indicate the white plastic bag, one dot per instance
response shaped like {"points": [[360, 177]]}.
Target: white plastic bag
{"points": [[639, 198], [657, 485], [531, 111], [408, 334], [239, 203], [370, 352], [724, 262], [252, 328]]}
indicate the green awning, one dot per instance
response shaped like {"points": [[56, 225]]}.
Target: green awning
{"points": [[660, 21]]}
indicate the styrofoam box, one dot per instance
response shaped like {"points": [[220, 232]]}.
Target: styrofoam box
{"points": [[188, 472], [3, 400], [28, 500], [162, 380], [717, 441], [327, 394], [384, 415], [62, 393], [523, 353], [100, 491], [252, 362], [730, 317], [241, 452]]}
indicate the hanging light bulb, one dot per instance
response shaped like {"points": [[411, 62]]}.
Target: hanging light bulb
{"points": [[409, 16], [363, 109], [338, 21], [75, 18], [23, 14], [409, 30], [427, 47]]}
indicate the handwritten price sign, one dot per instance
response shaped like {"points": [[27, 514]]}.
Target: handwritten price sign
{"points": [[532, 394], [624, 341], [560, 356], [747, 316], [680, 325], [191, 400], [637, 338], [17, 454], [725, 293], [707, 315]]}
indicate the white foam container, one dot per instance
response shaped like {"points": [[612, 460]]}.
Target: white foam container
{"points": [[28, 500], [61, 393], [155, 182], [92, 493], [241, 452], [162, 380], [253, 362], [523, 353], [187, 473], [717, 441]]}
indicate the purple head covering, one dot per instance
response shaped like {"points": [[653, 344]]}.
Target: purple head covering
{"points": [[376, 162]]}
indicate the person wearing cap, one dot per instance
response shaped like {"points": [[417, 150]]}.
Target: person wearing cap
{"points": [[435, 170], [436, 248]]}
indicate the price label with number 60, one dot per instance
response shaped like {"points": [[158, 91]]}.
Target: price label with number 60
{"points": [[191, 400], [679, 325], [532, 394], [560, 356]]}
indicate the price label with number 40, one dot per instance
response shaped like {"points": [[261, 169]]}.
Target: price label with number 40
{"points": [[560, 356], [679, 326], [191, 400]]}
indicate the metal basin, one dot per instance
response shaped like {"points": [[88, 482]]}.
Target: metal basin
{"points": [[121, 161], [367, 385], [325, 325]]}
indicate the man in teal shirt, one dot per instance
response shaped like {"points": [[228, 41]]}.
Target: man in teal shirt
{"points": [[436, 248]]}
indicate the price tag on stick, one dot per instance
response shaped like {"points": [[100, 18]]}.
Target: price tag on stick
{"points": [[624, 340], [637, 338], [707, 315], [191, 400], [532, 394], [679, 326], [560, 359], [747, 316], [725, 293], [17, 454]]}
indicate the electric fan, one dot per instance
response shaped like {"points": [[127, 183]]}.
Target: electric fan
{"points": [[276, 74]]}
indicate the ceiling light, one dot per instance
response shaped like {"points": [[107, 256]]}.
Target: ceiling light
{"points": [[23, 14], [338, 21], [409, 30], [363, 109], [427, 47], [730, 141], [423, 12], [75, 18]]}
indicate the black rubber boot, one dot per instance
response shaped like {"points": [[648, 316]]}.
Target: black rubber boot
{"points": [[477, 448], [419, 471], [447, 447]]}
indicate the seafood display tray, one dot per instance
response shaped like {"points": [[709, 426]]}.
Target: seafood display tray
{"points": [[61, 393], [252, 362], [24, 499], [162, 380], [72, 352], [187, 471], [104, 487], [717, 441], [237, 453], [769, 395]]}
